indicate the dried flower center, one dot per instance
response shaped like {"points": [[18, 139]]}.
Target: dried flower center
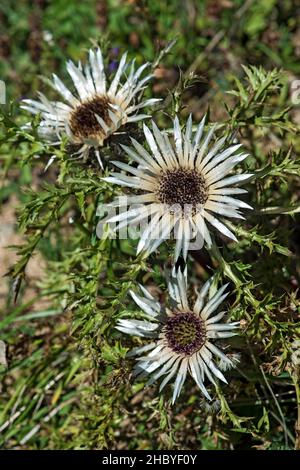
{"points": [[83, 122], [182, 187], [185, 333]]}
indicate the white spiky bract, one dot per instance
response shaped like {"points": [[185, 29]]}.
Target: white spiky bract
{"points": [[123, 97], [191, 152], [160, 359]]}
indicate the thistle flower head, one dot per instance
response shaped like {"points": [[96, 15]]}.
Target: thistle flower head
{"points": [[182, 187], [181, 335], [97, 109]]}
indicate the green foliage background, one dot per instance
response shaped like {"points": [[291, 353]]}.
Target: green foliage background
{"points": [[65, 380]]}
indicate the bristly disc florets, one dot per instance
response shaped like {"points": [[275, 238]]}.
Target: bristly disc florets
{"points": [[185, 333], [83, 120], [183, 187]]}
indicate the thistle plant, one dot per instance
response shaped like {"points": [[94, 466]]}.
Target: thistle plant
{"points": [[194, 315]]}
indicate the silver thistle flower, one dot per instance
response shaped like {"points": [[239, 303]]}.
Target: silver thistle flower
{"points": [[182, 337], [97, 110], [180, 187]]}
